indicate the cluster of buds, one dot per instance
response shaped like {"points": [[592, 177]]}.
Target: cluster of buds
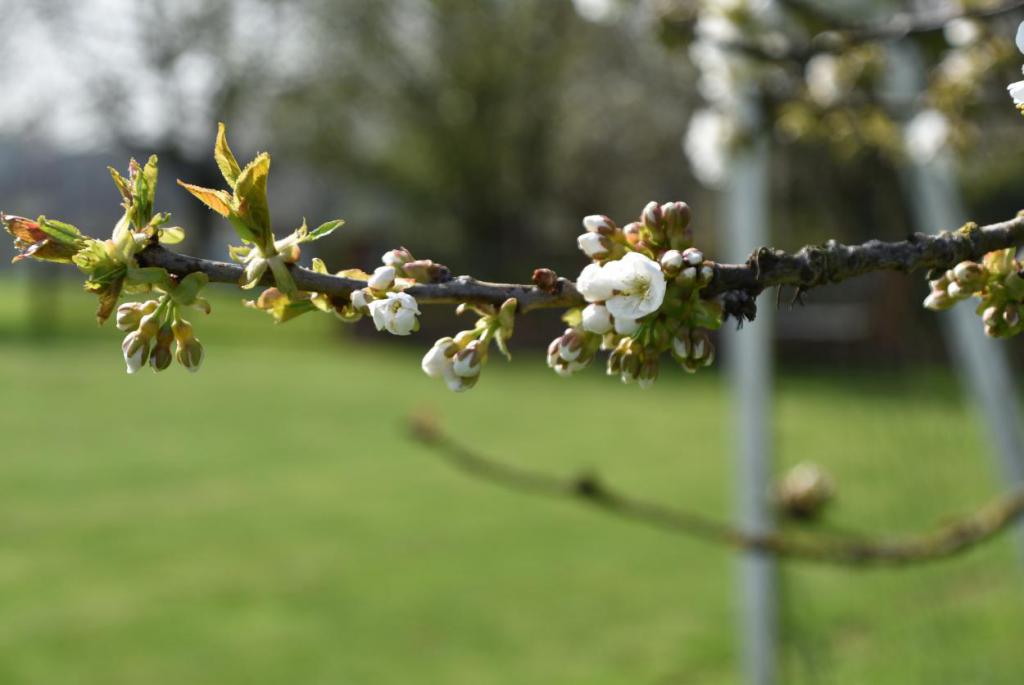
{"points": [[391, 309], [643, 293], [996, 281], [458, 361], [152, 327]]}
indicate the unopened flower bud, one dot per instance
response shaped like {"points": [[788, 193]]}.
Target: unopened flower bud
{"points": [[382, 278], [396, 258], [182, 331], [149, 324], [624, 326], [596, 319], [128, 316], [938, 300], [648, 372], [1011, 315], [805, 490], [545, 279], [630, 368], [956, 291], [160, 358], [359, 300], [593, 245], [707, 272], [439, 357], [672, 262], [676, 216], [693, 257], [426, 271], [632, 232], [681, 344], [687, 276], [190, 355], [570, 345], [991, 315], [651, 216], [457, 383], [969, 274], [701, 348], [599, 223], [135, 348], [467, 361]]}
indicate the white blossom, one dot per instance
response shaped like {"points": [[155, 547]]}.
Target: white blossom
{"points": [[961, 31], [926, 135], [624, 326], [382, 278], [1016, 90], [707, 142], [596, 319], [1020, 37], [396, 314], [638, 284], [136, 351], [822, 77], [592, 244], [593, 283], [435, 361], [359, 299]]}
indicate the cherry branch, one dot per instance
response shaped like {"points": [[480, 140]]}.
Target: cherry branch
{"points": [[943, 542], [809, 267]]}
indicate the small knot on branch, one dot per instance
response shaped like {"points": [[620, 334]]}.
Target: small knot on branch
{"points": [[739, 305]]}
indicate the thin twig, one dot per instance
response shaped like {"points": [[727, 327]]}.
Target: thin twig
{"points": [[946, 541], [810, 267]]}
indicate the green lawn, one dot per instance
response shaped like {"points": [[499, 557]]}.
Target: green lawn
{"points": [[267, 521]]}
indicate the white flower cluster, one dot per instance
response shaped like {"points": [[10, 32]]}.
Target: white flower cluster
{"points": [[727, 76], [458, 361], [1016, 89], [642, 293], [391, 311]]}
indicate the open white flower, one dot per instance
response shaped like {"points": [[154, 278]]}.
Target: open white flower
{"points": [[638, 286], [396, 314], [593, 283]]}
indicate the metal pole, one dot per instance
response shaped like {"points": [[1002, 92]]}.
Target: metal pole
{"points": [[749, 360]]}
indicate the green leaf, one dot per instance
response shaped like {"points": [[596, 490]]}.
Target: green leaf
{"points": [[63, 233], [250, 201], [188, 289], [325, 229], [172, 235], [150, 275], [217, 200], [123, 186], [226, 161]]}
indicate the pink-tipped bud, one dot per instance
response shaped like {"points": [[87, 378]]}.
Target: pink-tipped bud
{"points": [[599, 223], [632, 232], [672, 262], [397, 257], [594, 245], [693, 257], [651, 216]]}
